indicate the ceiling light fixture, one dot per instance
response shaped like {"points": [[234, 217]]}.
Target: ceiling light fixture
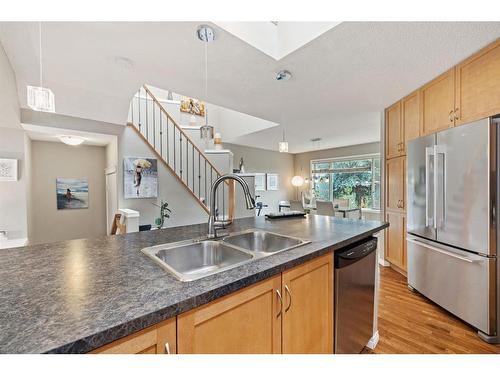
{"points": [[283, 75], [283, 145], [71, 140], [207, 35], [40, 98]]}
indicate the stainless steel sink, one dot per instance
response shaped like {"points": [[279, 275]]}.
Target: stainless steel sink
{"points": [[263, 241], [192, 260]]}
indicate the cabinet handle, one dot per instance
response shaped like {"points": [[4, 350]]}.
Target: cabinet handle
{"points": [[278, 293], [451, 115], [456, 113], [287, 289], [167, 348]]}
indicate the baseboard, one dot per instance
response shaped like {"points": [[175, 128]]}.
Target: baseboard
{"points": [[373, 341], [399, 270], [383, 262]]}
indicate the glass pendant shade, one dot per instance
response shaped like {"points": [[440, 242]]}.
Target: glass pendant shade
{"points": [[283, 146], [41, 99]]}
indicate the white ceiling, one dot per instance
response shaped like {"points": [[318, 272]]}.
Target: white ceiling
{"points": [[341, 80]]}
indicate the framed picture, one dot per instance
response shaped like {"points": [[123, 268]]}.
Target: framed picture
{"points": [[193, 106], [272, 181], [8, 169], [260, 181], [72, 193], [140, 177]]}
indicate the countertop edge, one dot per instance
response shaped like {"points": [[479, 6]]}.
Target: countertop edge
{"points": [[99, 339]]}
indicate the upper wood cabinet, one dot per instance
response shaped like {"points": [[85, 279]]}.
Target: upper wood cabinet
{"points": [[394, 134], [247, 321], [395, 188], [158, 339], [410, 107], [308, 307], [395, 244], [438, 103], [477, 85]]}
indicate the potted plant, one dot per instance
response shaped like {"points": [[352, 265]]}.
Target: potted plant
{"points": [[164, 213]]}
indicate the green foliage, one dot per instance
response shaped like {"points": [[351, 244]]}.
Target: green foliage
{"points": [[351, 180], [164, 214]]}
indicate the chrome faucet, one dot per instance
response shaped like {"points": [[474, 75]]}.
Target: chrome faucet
{"points": [[213, 225]]}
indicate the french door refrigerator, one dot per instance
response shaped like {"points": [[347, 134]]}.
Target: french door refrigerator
{"points": [[452, 182]]}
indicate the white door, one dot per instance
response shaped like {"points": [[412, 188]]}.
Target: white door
{"points": [[111, 197]]}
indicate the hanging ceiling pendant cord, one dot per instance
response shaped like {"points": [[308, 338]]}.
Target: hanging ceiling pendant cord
{"points": [[40, 49], [206, 82]]}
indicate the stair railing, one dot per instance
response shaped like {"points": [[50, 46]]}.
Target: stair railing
{"points": [[174, 148]]}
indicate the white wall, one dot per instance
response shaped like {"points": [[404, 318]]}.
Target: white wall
{"points": [[185, 210], [51, 160], [13, 208], [258, 160]]}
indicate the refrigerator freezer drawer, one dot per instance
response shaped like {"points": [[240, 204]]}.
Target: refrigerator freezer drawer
{"points": [[460, 282]]}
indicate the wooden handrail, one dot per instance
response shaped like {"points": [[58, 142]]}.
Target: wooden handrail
{"points": [[157, 154], [180, 129]]}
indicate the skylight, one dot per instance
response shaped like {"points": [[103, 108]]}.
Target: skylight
{"points": [[277, 39]]}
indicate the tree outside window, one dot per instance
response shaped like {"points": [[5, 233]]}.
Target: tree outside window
{"points": [[355, 180]]}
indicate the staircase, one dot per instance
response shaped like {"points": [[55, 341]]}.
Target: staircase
{"points": [[174, 149]]}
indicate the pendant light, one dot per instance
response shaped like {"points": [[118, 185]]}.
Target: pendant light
{"points": [[40, 98], [207, 35], [283, 145], [281, 76]]}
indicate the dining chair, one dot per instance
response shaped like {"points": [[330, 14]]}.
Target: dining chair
{"points": [[296, 206], [324, 208]]}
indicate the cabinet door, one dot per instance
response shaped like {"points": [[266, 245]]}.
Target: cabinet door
{"points": [[438, 103], [158, 339], [393, 131], [410, 107], [395, 249], [248, 321], [308, 307], [395, 193], [477, 85]]}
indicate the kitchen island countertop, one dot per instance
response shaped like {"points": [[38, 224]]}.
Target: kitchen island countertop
{"points": [[75, 296]]}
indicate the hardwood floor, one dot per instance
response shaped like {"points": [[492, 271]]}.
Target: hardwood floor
{"points": [[410, 323]]}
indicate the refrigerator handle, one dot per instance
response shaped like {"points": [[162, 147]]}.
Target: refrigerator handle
{"points": [[439, 186], [429, 152]]}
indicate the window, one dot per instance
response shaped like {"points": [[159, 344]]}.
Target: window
{"points": [[354, 182]]}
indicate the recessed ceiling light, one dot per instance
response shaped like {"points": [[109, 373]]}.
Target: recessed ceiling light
{"points": [[283, 75], [205, 33], [71, 140]]}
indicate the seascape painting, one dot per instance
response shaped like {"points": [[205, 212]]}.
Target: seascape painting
{"points": [[140, 177], [72, 193]]}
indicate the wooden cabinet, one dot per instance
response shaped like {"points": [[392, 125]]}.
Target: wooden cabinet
{"points": [[248, 321], [477, 85], [410, 107], [438, 103], [395, 177], [395, 249], [308, 307], [394, 135], [158, 339], [289, 313]]}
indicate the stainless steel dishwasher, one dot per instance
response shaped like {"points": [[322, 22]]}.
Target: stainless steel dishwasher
{"points": [[354, 296]]}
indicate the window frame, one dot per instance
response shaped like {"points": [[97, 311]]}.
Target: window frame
{"points": [[347, 158]]}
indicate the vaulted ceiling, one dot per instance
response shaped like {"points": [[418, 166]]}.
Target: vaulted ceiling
{"points": [[341, 80]]}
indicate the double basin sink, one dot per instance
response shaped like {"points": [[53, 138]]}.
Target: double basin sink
{"points": [[193, 259]]}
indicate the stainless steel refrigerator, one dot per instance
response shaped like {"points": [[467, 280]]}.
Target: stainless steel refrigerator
{"points": [[452, 182]]}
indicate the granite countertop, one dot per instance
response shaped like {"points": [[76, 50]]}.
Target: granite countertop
{"points": [[75, 296]]}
